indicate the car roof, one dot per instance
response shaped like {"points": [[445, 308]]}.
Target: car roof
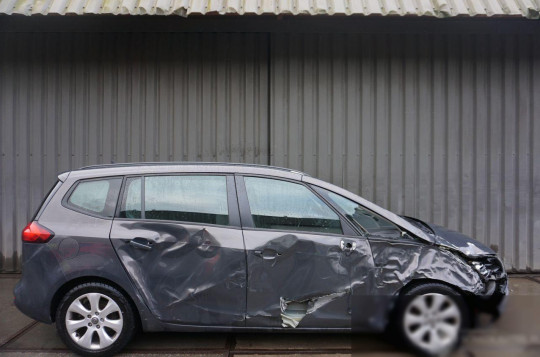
{"points": [[143, 168], [183, 167]]}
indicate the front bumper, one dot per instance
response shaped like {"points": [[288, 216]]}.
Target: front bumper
{"points": [[495, 301]]}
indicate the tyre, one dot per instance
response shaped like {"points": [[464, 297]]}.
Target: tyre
{"points": [[95, 319], [430, 318]]}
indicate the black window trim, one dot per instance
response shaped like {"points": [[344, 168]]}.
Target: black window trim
{"points": [[232, 203], [247, 219], [65, 199], [121, 195]]}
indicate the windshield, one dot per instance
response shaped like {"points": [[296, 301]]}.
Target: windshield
{"points": [[363, 218]]}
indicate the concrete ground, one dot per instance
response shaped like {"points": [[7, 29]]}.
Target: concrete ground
{"points": [[516, 334]]}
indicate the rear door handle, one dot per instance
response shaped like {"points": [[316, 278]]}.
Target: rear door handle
{"points": [[141, 243], [267, 254]]}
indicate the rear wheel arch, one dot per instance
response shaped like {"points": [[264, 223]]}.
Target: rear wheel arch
{"points": [[64, 289]]}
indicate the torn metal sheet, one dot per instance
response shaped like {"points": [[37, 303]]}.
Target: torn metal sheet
{"points": [[292, 312], [308, 269]]}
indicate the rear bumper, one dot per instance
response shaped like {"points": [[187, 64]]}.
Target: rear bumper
{"points": [[40, 279], [30, 304]]}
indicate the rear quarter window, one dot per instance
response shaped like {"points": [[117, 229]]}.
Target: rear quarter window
{"points": [[95, 197]]}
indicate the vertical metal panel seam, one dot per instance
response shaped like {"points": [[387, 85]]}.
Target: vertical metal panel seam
{"points": [[532, 59], [474, 192], [516, 180], [445, 135], [460, 130], [388, 113], [488, 144], [14, 241], [432, 127], [269, 64], [503, 150], [401, 48], [417, 185]]}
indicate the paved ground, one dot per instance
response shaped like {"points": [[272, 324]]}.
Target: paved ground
{"points": [[516, 334]]}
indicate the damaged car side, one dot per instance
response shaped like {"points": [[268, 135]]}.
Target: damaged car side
{"points": [[231, 247]]}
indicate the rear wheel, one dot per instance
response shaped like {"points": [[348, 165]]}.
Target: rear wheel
{"points": [[95, 319], [430, 319]]}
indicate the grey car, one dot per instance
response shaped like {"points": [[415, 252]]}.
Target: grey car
{"points": [[230, 247]]}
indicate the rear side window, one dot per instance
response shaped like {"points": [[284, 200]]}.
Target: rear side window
{"points": [[198, 199], [96, 197], [283, 205]]}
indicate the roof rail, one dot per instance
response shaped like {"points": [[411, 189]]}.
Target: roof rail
{"points": [[172, 163]]}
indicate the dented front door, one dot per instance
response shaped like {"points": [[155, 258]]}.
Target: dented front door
{"points": [[297, 256], [183, 248]]}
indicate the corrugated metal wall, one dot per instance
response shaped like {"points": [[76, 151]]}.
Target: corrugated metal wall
{"points": [[442, 127], [70, 100]]}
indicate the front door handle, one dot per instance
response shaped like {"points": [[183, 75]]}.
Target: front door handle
{"points": [[141, 243], [267, 254], [347, 246]]}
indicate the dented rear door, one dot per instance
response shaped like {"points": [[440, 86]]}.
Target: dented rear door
{"points": [[179, 238], [298, 256]]}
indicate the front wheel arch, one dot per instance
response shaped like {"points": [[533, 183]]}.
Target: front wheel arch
{"points": [[396, 332], [467, 296]]}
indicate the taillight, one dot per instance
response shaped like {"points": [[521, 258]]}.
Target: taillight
{"points": [[36, 233]]}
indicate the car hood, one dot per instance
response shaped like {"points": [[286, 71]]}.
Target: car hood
{"points": [[452, 240]]}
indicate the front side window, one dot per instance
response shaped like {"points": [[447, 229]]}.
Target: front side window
{"points": [[368, 220], [200, 199], [283, 205], [95, 196]]}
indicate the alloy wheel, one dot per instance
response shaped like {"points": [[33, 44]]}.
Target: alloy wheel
{"points": [[94, 321], [432, 322]]}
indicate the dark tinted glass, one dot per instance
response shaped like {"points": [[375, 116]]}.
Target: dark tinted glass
{"points": [[277, 204], [131, 203], [96, 196], [200, 199]]}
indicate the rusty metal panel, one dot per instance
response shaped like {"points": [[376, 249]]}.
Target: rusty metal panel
{"points": [[73, 99], [439, 8], [439, 127]]}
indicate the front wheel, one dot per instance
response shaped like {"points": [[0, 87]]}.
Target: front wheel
{"points": [[95, 319], [430, 319]]}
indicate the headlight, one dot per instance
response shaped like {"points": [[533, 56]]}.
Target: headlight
{"points": [[481, 268], [489, 268]]}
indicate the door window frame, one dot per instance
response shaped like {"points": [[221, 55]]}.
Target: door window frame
{"points": [[66, 204], [247, 219], [232, 202], [357, 226]]}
